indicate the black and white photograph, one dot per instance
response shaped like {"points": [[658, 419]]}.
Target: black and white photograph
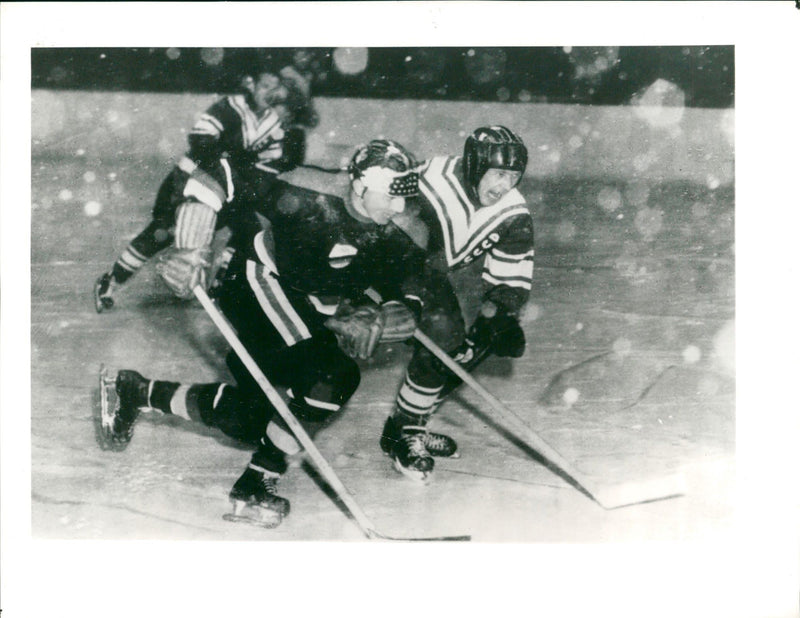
{"points": [[302, 299]]}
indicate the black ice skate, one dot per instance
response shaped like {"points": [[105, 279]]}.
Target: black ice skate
{"points": [[407, 449], [103, 288], [255, 499], [437, 444], [121, 400]]}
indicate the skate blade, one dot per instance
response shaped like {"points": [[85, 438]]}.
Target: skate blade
{"points": [[253, 515], [109, 404], [421, 478], [455, 455]]}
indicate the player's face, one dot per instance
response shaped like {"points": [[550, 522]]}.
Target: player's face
{"points": [[268, 91], [381, 207], [495, 184]]}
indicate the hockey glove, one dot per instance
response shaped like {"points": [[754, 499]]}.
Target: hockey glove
{"points": [[357, 329], [501, 334], [399, 322], [183, 269]]}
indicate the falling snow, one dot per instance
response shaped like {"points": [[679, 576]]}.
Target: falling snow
{"points": [[661, 105], [92, 208]]}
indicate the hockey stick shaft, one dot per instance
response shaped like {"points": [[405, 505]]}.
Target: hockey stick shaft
{"points": [[608, 500], [277, 401]]}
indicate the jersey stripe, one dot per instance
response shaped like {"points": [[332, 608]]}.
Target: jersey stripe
{"points": [[272, 298], [515, 271], [512, 282], [255, 129], [463, 227], [207, 125]]}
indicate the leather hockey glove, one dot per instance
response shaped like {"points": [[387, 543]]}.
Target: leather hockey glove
{"points": [[497, 332], [400, 322], [183, 269], [357, 329]]}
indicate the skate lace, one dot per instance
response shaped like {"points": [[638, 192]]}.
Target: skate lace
{"points": [[435, 440], [415, 444], [270, 485]]}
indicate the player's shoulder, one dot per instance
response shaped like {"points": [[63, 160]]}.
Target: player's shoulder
{"points": [[296, 201], [439, 165], [514, 198], [222, 108]]}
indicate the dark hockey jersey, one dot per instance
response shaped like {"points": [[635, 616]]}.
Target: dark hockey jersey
{"points": [[230, 128], [319, 249], [501, 234]]}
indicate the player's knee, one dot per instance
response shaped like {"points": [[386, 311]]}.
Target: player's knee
{"points": [[154, 238], [347, 376], [227, 408], [318, 399]]}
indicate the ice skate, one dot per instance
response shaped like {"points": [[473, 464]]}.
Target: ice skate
{"points": [[437, 444], [121, 400], [255, 499], [103, 289], [407, 449]]}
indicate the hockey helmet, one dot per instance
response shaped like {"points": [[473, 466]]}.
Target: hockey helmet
{"points": [[386, 166], [493, 146]]}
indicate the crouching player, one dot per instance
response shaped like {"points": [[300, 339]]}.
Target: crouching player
{"points": [[239, 135], [473, 211], [303, 301]]}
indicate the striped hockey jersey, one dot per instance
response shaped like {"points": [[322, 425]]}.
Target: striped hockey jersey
{"points": [[231, 128], [501, 234]]}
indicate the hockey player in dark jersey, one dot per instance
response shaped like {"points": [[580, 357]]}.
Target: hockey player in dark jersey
{"points": [[327, 261], [241, 133], [473, 211]]}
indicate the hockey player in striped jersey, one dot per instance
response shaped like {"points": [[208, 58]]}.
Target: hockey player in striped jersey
{"points": [[473, 211], [325, 281], [239, 134]]}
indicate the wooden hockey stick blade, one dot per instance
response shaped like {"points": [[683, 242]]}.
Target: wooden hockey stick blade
{"points": [[640, 492], [377, 535], [611, 497], [283, 410]]}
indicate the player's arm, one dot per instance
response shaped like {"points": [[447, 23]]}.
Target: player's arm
{"points": [[207, 138], [508, 267], [267, 151], [507, 274]]}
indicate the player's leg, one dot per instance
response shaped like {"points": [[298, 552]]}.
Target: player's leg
{"points": [[290, 345], [156, 237], [319, 379], [406, 438]]}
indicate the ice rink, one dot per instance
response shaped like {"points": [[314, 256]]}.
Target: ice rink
{"points": [[628, 374]]}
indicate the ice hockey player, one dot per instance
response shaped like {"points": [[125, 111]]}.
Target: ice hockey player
{"points": [[239, 134], [473, 211], [323, 287]]}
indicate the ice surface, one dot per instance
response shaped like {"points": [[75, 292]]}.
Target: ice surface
{"points": [[628, 372]]}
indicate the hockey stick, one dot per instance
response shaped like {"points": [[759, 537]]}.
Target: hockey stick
{"points": [[305, 440], [608, 497], [320, 168]]}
